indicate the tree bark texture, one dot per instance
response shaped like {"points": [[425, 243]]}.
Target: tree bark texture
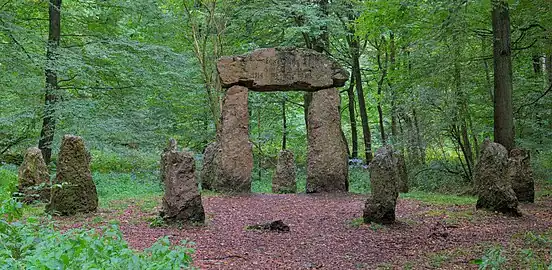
{"points": [[503, 113], [352, 117], [50, 96]]}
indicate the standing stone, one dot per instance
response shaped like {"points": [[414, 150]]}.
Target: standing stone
{"points": [[327, 168], [235, 163], [209, 166], [403, 173], [171, 146], [520, 174], [182, 201], [384, 179], [491, 180], [283, 180], [34, 179], [77, 193]]}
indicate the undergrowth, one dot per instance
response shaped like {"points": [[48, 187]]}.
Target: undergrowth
{"points": [[32, 245], [533, 252]]}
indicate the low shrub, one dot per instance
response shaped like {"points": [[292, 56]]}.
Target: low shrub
{"points": [[30, 245]]}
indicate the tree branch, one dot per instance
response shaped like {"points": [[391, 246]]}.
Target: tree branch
{"points": [[536, 100]]}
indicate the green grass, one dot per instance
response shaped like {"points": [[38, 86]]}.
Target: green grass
{"points": [[119, 188], [439, 199]]}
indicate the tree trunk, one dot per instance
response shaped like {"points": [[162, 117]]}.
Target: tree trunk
{"points": [[393, 49], [352, 117], [284, 124], [50, 98], [503, 113], [549, 68], [419, 143], [383, 69], [459, 119], [355, 51]]}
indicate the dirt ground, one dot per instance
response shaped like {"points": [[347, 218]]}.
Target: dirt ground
{"points": [[326, 232]]}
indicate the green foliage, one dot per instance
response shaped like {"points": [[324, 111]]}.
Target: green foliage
{"points": [[124, 161], [359, 180], [493, 259], [8, 181], [440, 176], [262, 180], [534, 253], [156, 222], [30, 245]]}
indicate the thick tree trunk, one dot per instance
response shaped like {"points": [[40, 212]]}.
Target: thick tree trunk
{"points": [[503, 113], [352, 117], [50, 97]]}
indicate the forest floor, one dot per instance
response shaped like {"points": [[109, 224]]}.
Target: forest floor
{"points": [[326, 231]]}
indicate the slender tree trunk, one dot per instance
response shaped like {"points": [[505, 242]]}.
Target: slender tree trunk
{"points": [[352, 117], [362, 105], [537, 68], [461, 114], [284, 124], [393, 49], [383, 69], [504, 132], [50, 98], [549, 68], [419, 143]]}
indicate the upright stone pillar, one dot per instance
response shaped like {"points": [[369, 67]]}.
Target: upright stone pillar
{"points": [[235, 160], [521, 175], [283, 180], [491, 179], [384, 179], [34, 178], [403, 173], [209, 166], [327, 160], [171, 146], [182, 201], [76, 192]]}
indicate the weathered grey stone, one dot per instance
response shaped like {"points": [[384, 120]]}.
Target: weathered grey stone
{"points": [[520, 173], [235, 162], [493, 186], [327, 160], [209, 165], [182, 200], [283, 180], [403, 173], [384, 179], [34, 178], [171, 146], [77, 193], [281, 69]]}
